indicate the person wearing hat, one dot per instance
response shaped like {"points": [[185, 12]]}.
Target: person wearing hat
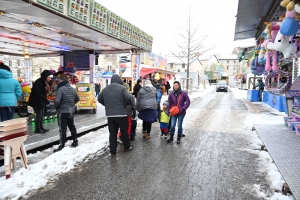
{"points": [[38, 99], [146, 104], [10, 92], [164, 119]]}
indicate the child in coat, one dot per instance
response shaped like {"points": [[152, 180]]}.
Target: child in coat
{"points": [[164, 119]]}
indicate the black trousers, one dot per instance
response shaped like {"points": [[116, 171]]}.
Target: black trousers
{"points": [[38, 118], [260, 92], [147, 127], [66, 120], [114, 123]]}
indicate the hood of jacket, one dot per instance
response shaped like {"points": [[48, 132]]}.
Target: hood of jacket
{"points": [[5, 74], [116, 79], [45, 74]]}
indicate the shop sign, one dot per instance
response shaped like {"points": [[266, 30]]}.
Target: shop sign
{"points": [[135, 69]]}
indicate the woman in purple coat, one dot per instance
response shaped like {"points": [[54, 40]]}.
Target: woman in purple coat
{"points": [[184, 102]]}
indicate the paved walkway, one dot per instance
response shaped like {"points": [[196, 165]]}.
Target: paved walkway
{"points": [[208, 164]]}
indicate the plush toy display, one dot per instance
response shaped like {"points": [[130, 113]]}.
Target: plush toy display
{"points": [[156, 77], [26, 90]]}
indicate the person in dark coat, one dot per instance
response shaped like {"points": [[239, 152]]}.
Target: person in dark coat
{"points": [[38, 99], [184, 102], [97, 89], [116, 98], [137, 87], [261, 87], [146, 104], [168, 86], [64, 103]]}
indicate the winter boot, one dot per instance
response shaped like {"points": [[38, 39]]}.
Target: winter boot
{"points": [[162, 134], [144, 133], [148, 136], [182, 135], [171, 138], [58, 149], [178, 139], [75, 143], [165, 135]]}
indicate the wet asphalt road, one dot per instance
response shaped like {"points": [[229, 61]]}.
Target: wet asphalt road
{"points": [[208, 164]]}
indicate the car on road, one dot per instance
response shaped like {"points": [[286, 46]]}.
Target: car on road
{"points": [[222, 86]]}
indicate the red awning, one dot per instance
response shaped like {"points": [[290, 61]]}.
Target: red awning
{"points": [[144, 71]]}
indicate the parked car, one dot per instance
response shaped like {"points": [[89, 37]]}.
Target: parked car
{"points": [[222, 86], [86, 94]]}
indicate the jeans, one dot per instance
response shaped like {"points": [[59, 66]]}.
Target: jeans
{"points": [[173, 124], [7, 113]]}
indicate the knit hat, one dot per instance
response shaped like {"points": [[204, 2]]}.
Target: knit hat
{"points": [[147, 82], [166, 103]]}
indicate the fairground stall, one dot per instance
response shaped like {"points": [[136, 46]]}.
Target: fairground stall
{"points": [[275, 26], [76, 31]]}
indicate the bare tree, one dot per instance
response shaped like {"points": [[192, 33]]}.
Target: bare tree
{"points": [[191, 44]]}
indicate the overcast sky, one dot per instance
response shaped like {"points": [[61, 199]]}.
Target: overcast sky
{"points": [[162, 18]]}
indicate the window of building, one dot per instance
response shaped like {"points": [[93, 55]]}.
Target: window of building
{"points": [[227, 67], [178, 70], [227, 61], [183, 66], [234, 67], [234, 61], [10, 63], [171, 65], [19, 62]]}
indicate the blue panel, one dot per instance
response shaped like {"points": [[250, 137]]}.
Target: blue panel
{"points": [[252, 95]]}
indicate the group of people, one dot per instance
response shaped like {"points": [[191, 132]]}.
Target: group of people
{"points": [[122, 109], [64, 103]]}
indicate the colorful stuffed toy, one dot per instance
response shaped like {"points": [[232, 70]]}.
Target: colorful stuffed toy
{"points": [[26, 89]]}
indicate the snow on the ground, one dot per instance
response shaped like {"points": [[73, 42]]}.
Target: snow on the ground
{"points": [[45, 167], [264, 160]]}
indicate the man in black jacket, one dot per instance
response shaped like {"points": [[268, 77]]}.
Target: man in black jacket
{"points": [[116, 98], [38, 99], [65, 100]]}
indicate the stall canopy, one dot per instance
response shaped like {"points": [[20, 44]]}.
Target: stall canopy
{"points": [[144, 71]]}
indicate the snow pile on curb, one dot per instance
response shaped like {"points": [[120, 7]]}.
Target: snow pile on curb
{"points": [[264, 161], [39, 174]]}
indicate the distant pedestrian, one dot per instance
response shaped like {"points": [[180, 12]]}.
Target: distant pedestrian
{"points": [[168, 87], [137, 87], [261, 87], [65, 100], [146, 104], [38, 99], [164, 119], [116, 98], [97, 89], [180, 98], [10, 93]]}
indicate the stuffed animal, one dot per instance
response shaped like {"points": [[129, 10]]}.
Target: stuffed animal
{"points": [[70, 69], [156, 76], [26, 89], [51, 96], [290, 24]]}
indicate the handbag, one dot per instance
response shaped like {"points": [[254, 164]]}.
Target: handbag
{"points": [[175, 109]]}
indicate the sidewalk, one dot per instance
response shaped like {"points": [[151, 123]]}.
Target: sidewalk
{"points": [[280, 142]]}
